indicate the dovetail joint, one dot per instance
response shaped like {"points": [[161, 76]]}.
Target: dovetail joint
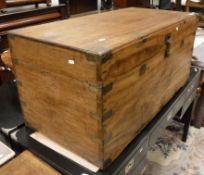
{"points": [[104, 141], [104, 117], [106, 89]]}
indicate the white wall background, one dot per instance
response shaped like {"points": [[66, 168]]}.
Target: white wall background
{"points": [[55, 2]]}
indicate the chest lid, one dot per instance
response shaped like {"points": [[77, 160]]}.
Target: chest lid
{"points": [[101, 33]]}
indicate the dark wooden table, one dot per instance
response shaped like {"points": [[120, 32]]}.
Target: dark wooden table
{"points": [[199, 62]]}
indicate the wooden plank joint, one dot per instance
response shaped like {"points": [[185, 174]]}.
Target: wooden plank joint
{"points": [[101, 141], [107, 115]]}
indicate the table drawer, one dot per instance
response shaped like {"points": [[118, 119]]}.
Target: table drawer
{"points": [[140, 169], [134, 161], [160, 127]]}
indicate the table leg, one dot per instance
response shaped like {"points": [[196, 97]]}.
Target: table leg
{"points": [[199, 110], [187, 120]]}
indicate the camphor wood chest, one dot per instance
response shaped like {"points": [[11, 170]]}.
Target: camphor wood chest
{"points": [[92, 83]]}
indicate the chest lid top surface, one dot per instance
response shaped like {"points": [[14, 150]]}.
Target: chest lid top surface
{"points": [[104, 32]]}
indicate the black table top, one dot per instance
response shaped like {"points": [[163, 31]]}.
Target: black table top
{"points": [[10, 110]]}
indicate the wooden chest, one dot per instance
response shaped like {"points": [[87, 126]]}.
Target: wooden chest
{"points": [[92, 83]]}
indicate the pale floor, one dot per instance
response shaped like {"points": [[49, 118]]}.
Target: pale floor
{"points": [[199, 37]]}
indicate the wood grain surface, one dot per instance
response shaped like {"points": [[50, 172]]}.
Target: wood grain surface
{"points": [[27, 164], [118, 28], [94, 85]]}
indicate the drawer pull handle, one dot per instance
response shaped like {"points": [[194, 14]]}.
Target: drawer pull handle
{"points": [[129, 166]]}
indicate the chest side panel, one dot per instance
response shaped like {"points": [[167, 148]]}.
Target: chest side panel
{"points": [[143, 79], [59, 97]]}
